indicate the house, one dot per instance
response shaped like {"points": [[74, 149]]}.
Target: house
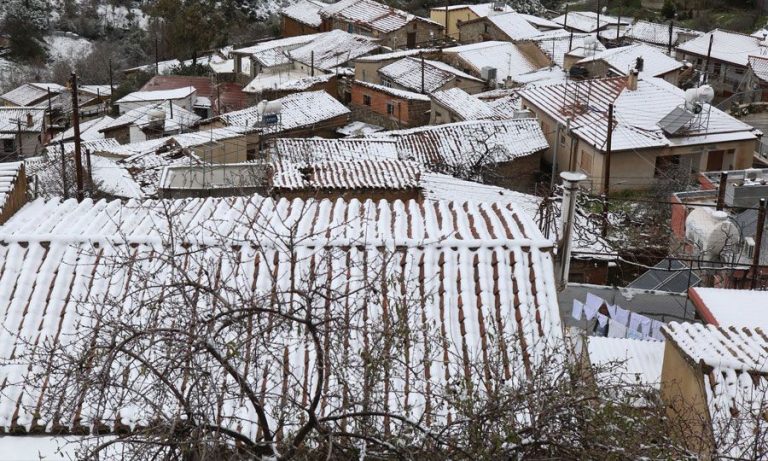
{"points": [[458, 14], [32, 95], [456, 105], [425, 76], [301, 18], [266, 55], [313, 113], [713, 382], [557, 45], [94, 100], [22, 131], [587, 22], [658, 35], [387, 25], [499, 63], [726, 308], [89, 130], [645, 145], [619, 61], [509, 27], [211, 97], [367, 67], [488, 280], [331, 51], [726, 65], [389, 107], [276, 85], [184, 97], [149, 122], [506, 153], [757, 78]]}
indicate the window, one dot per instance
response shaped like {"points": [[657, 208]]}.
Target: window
{"points": [[8, 145], [366, 100], [665, 164], [365, 76], [739, 71], [485, 28], [716, 68], [350, 28], [390, 108], [386, 82]]}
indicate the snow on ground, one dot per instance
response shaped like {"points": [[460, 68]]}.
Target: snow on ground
{"points": [[123, 18], [66, 46]]}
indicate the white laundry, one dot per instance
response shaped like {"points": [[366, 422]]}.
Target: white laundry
{"points": [[634, 321], [578, 309], [622, 316], [616, 330], [594, 301], [590, 311]]}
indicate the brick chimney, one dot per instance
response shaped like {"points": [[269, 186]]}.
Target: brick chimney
{"points": [[632, 80]]}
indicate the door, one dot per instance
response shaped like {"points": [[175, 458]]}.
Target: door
{"points": [[410, 40], [715, 160]]}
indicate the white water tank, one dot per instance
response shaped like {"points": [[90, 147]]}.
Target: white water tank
{"points": [[711, 232], [156, 119]]}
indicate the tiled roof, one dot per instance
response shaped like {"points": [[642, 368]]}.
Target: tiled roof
{"points": [[740, 349], [30, 93], [513, 25], [586, 21], [11, 116], [657, 33], [202, 85], [478, 276], [623, 59], [555, 44], [305, 11], [727, 46], [176, 117], [333, 49], [375, 15], [631, 361], [307, 150], [394, 55], [280, 43], [89, 130], [298, 110], [404, 94], [380, 174], [507, 58], [463, 104], [459, 145], [159, 95], [759, 65], [406, 72], [9, 173], [636, 113]]}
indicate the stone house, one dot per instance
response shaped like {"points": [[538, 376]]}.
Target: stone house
{"points": [[508, 27], [23, 131], [389, 107]]}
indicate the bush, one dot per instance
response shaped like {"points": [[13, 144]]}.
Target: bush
{"points": [[668, 10]]}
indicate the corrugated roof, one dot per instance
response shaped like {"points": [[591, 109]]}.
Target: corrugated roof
{"points": [[631, 361], [298, 110], [305, 11], [727, 46], [404, 94], [379, 174], [407, 73], [333, 49], [759, 65], [479, 276], [656, 33], [586, 21], [623, 59], [159, 95], [14, 118]]}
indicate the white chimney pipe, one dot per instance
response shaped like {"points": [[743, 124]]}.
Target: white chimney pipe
{"points": [[571, 182]]}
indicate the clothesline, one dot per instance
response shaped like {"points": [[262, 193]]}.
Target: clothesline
{"points": [[614, 321]]}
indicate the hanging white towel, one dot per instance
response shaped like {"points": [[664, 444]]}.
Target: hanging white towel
{"points": [[645, 325], [594, 301], [656, 330], [578, 309], [612, 308], [590, 311], [634, 321], [632, 334], [616, 330], [602, 320], [622, 316]]}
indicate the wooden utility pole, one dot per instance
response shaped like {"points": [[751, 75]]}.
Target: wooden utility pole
{"points": [[669, 44], [758, 243], [446, 21], [64, 185], [721, 190], [18, 135], [157, 62], [78, 153], [618, 25], [709, 57], [312, 63], [598, 20], [111, 87], [421, 54], [607, 173], [565, 21], [90, 172]]}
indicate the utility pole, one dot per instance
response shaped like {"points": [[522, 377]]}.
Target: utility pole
{"points": [[64, 185], [669, 44], [565, 21], [446, 21], [709, 57], [570, 42], [157, 63], [758, 243], [78, 153], [598, 19], [312, 63], [90, 172], [607, 173], [421, 54], [721, 190], [18, 128], [111, 87], [618, 25], [218, 95]]}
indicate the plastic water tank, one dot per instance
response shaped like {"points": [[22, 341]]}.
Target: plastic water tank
{"points": [[710, 232]]}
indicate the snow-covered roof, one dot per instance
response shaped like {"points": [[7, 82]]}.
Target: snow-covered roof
{"points": [[9, 173], [480, 9], [539, 22], [163, 67], [296, 80], [727, 46], [407, 73], [458, 145], [586, 21], [14, 118], [404, 94], [630, 361], [730, 307], [513, 25], [305, 11], [486, 265], [186, 140], [159, 95], [333, 49], [556, 44], [176, 117], [736, 348], [379, 174], [657, 33], [29, 94], [308, 150], [464, 105], [394, 55], [375, 15], [759, 66], [636, 113], [89, 130], [358, 128], [283, 44], [623, 59], [298, 110], [95, 90], [507, 58]]}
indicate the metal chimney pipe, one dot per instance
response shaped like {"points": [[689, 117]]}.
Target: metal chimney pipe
{"points": [[571, 182]]}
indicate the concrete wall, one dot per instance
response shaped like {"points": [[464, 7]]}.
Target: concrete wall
{"points": [[518, 175], [233, 150], [454, 17], [480, 30]]}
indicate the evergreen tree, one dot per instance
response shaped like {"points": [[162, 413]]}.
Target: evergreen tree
{"points": [[26, 22]]}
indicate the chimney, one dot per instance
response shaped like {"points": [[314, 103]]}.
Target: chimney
{"points": [[571, 182], [30, 121], [632, 80]]}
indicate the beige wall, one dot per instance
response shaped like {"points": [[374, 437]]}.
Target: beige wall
{"points": [[233, 150], [454, 16], [683, 393]]}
